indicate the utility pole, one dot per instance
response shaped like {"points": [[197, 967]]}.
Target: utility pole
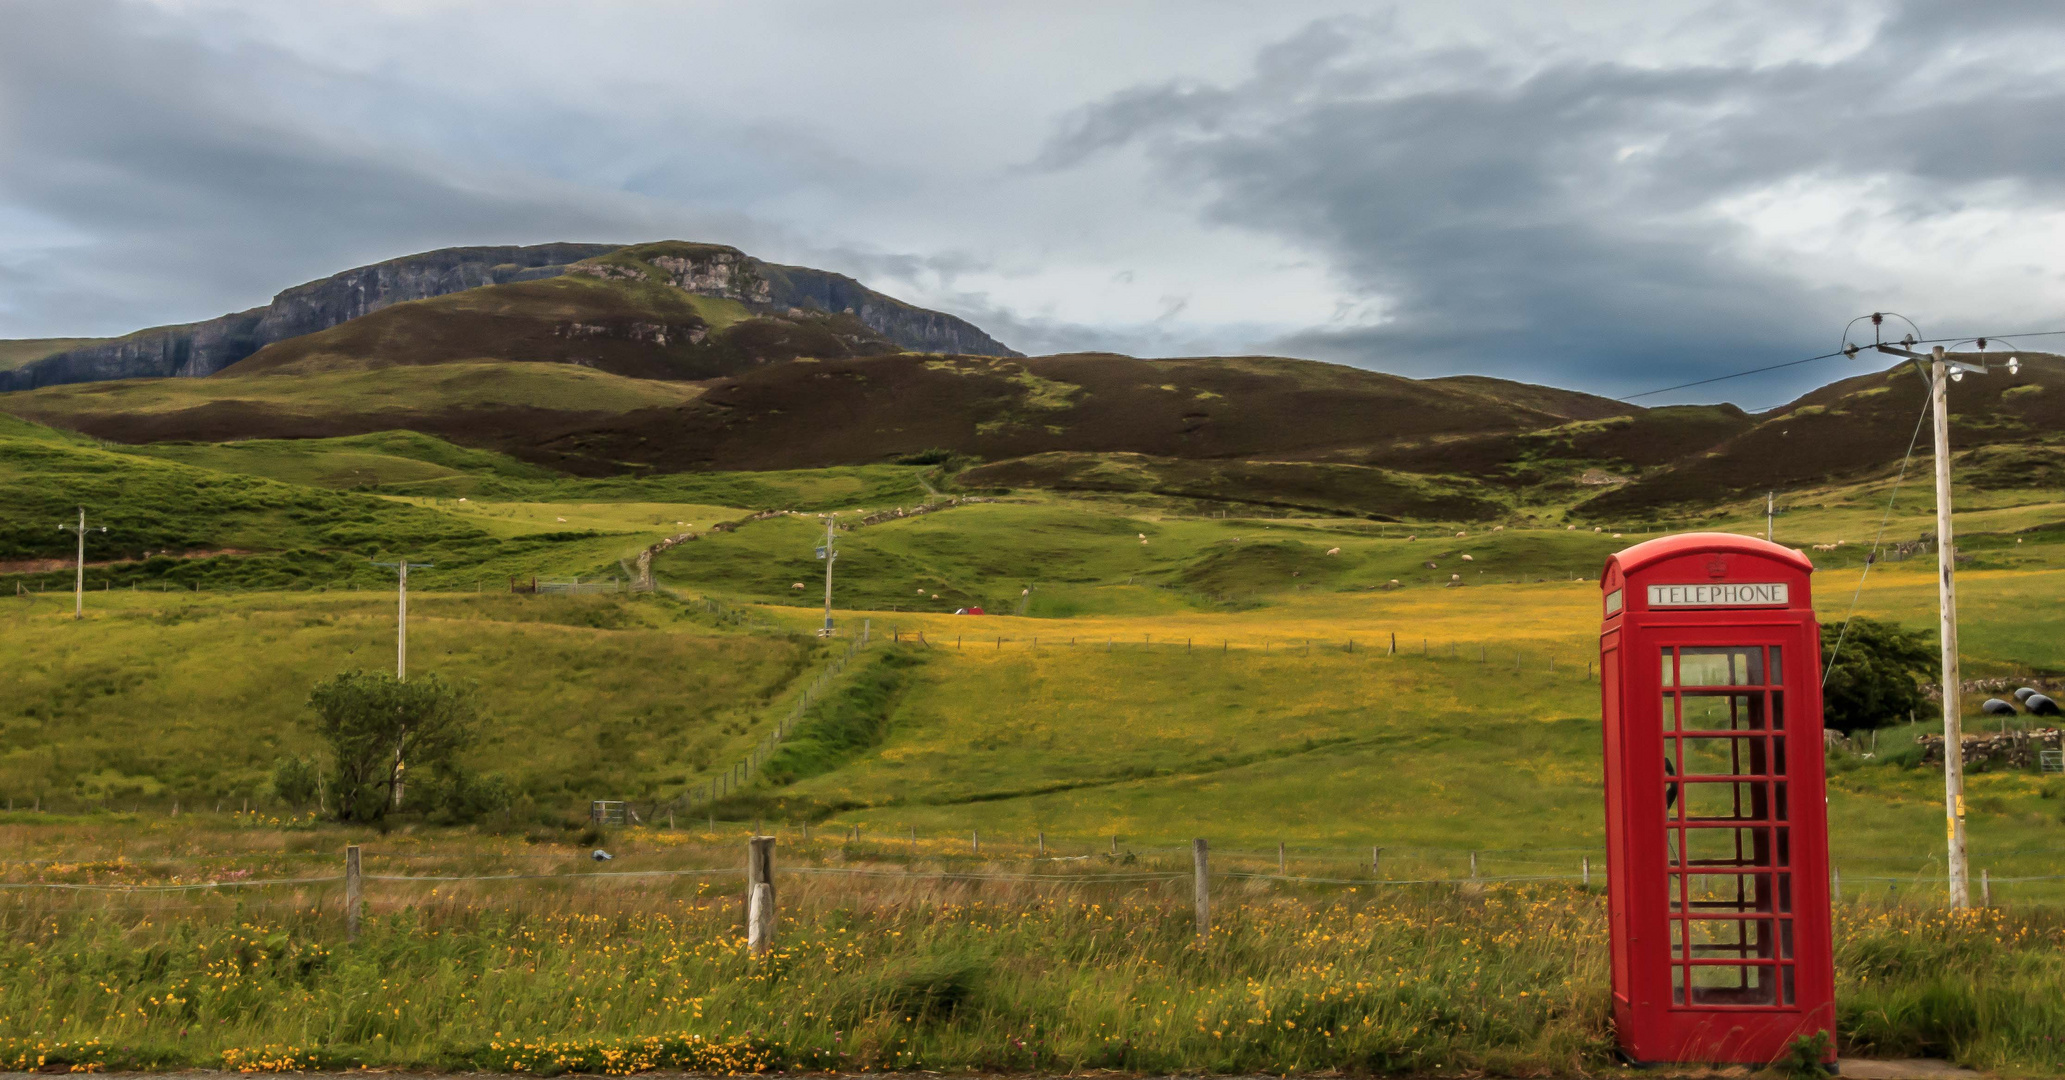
{"points": [[79, 582], [401, 614], [401, 648], [1941, 371], [1946, 623], [830, 554], [1768, 508]]}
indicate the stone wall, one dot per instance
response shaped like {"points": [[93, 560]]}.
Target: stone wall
{"points": [[2014, 749]]}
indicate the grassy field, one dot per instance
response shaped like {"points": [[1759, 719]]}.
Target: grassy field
{"points": [[924, 973], [1148, 674]]}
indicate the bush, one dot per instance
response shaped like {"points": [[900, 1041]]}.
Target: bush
{"points": [[296, 781]]}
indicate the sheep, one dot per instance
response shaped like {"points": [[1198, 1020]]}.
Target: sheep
{"points": [[1467, 558], [1333, 551], [797, 585]]}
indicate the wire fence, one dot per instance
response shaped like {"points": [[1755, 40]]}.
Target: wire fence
{"points": [[934, 859]]}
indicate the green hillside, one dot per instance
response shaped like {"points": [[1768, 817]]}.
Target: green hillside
{"points": [[385, 459], [162, 697], [14, 352]]}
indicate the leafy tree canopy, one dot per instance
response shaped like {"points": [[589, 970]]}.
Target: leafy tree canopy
{"points": [[381, 729], [1875, 680]]}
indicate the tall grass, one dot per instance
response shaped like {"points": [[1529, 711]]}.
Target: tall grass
{"points": [[931, 974]]}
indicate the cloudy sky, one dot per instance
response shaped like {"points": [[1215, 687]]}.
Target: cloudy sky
{"points": [[1609, 196]]}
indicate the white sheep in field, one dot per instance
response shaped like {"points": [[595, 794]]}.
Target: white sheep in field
{"points": [[797, 585], [1467, 558], [1333, 551]]}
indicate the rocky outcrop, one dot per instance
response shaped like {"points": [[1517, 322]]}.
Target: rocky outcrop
{"points": [[204, 348], [914, 328]]}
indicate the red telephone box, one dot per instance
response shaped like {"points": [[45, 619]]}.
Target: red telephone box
{"points": [[1716, 800]]}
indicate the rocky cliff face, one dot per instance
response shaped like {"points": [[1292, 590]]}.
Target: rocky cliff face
{"points": [[204, 348], [731, 274], [914, 328]]}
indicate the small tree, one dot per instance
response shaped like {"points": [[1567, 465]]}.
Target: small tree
{"points": [[1876, 679], [379, 727]]}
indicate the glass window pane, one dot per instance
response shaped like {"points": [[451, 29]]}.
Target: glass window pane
{"points": [[1726, 756], [1777, 668], [1727, 939], [1710, 800], [1741, 666], [1727, 847], [1730, 985], [1723, 712], [1715, 893], [1670, 669]]}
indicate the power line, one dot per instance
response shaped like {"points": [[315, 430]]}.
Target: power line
{"points": [[1829, 356], [1725, 378]]}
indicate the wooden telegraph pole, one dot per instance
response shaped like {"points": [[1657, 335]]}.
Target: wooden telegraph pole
{"points": [[79, 582], [401, 648], [1936, 366]]}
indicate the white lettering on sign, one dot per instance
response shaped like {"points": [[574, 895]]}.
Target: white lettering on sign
{"points": [[1730, 594]]}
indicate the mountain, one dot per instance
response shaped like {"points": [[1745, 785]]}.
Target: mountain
{"points": [[678, 357], [205, 348]]}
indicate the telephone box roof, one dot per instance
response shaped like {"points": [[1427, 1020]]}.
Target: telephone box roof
{"points": [[1665, 547]]}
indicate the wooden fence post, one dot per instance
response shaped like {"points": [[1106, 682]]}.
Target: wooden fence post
{"points": [[1202, 887], [1043, 844], [760, 895], [1985, 889], [1114, 843], [1473, 866], [1586, 871], [351, 892], [1375, 854], [1835, 884], [975, 841], [1282, 864]]}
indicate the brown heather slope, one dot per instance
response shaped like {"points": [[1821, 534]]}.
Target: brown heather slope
{"points": [[1554, 400], [871, 409], [1860, 426]]}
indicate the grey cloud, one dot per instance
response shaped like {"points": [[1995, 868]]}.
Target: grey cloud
{"points": [[1560, 223], [197, 194]]}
